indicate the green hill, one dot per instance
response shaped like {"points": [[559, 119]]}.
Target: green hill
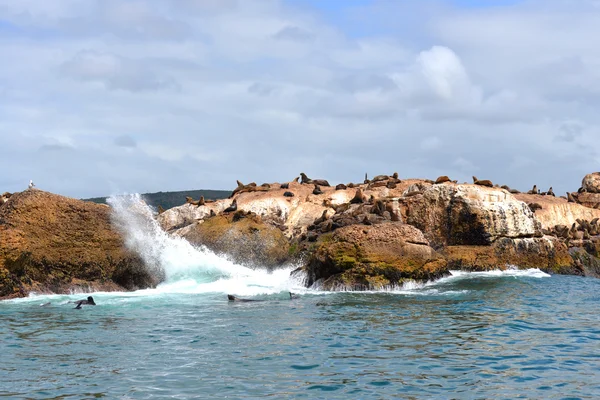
{"points": [[172, 199]]}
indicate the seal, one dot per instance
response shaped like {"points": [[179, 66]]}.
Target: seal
{"points": [[550, 192], [340, 186], [321, 219], [231, 297], [358, 197], [232, 207], [160, 210], [317, 190], [288, 194], [305, 179], [191, 201], [89, 301], [380, 178], [534, 206], [391, 184], [482, 182], [441, 179], [201, 202], [534, 190], [284, 186]]}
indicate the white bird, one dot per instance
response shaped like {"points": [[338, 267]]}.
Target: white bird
{"points": [[31, 184]]}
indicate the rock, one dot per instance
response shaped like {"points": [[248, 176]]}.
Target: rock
{"points": [[558, 211], [591, 200], [364, 257], [469, 215], [244, 239], [55, 244], [591, 182], [547, 253]]}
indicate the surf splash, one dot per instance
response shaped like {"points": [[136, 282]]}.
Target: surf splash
{"points": [[186, 268]]}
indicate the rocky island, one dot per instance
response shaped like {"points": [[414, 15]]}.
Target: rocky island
{"points": [[358, 236]]}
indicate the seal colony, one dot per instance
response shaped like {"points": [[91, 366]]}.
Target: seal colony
{"points": [[383, 229], [371, 233]]}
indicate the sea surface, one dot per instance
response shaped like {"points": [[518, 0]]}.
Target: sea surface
{"points": [[499, 334]]}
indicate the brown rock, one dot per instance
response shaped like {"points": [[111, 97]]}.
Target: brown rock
{"points": [[548, 254], [373, 256], [246, 240], [51, 243]]}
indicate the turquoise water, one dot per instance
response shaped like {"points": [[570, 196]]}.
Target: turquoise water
{"points": [[511, 334], [486, 336]]}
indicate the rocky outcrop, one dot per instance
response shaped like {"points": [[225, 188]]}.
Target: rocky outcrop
{"points": [[546, 253], [360, 257], [558, 211], [51, 243], [357, 235], [469, 215], [242, 237], [591, 183]]}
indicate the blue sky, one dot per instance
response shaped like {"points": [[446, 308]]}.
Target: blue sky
{"points": [[110, 96]]}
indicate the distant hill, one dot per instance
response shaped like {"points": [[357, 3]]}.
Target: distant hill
{"points": [[172, 199]]}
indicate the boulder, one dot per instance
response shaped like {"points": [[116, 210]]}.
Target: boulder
{"points": [[55, 244], [245, 239], [362, 257], [591, 182], [469, 215], [591, 200]]}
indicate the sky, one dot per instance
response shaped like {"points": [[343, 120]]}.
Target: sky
{"points": [[101, 97]]}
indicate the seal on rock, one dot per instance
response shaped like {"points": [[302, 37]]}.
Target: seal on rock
{"points": [[232, 207], [441, 179], [317, 190], [305, 179], [358, 197], [340, 186], [288, 194], [482, 182], [534, 190]]}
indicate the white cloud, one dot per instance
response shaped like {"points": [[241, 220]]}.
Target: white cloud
{"points": [[135, 92]]}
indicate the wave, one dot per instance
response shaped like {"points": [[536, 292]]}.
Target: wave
{"points": [[187, 268]]}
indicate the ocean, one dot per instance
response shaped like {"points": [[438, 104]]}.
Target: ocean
{"points": [[498, 334]]}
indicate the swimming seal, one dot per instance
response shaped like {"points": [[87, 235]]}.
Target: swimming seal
{"points": [[89, 301], [231, 297]]}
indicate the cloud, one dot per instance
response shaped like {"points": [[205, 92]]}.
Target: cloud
{"points": [[115, 72], [293, 33], [125, 141], [175, 94]]}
